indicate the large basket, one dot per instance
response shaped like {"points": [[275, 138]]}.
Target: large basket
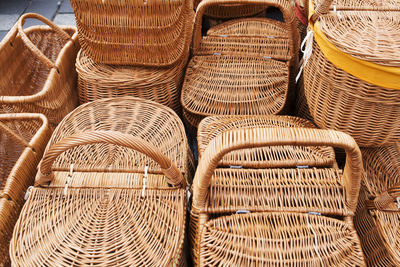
{"points": [[352, 78], [242, 67], [40, 76], [111, 189], [97, 81], [277, 229], [23, 138], [378, 214], [263, 157], [149, 32]]}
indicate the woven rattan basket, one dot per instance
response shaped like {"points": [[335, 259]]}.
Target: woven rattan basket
{"points": [[40, 76], [111, 189], [352, 77], [149, 32], [97, 81], [23, 137], [242, 67], [264, 157], [378, 214], [231, 11], [293, 216]]}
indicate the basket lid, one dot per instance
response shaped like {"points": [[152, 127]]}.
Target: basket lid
{"points": [[281, 156], [372, 36], [147, 120], [277, 239], [234, 85], [393, 5]]}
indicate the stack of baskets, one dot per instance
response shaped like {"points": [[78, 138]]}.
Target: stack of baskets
{"points": [[352, 75], [38, 73], [23, 137], [243, 66], [110, 191], [267, 196], [138, 48], [378, 212]]}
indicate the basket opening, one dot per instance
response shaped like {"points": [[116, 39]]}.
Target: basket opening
{"points": [[25, 74]]}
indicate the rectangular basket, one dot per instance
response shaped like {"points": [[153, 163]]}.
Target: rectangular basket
{"points": [[144, 32], [23, 138], [40, 76]]}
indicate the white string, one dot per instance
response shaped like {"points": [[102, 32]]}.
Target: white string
{"points": [[306, 48], [337, 12], [315, 240], [145, 179], [69, 177]]}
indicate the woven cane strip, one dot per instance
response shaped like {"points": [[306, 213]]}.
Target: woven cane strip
{"points": [[28, 84], [101, 227], [330, 92], [277, 239], [288, 156]]}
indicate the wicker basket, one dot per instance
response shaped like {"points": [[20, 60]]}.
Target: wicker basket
{"points": [[364, 5], [353, 85], [147, 33], [264, 157], [94, 198], [23, 138], [97, 81], [278, 229], [40, 75], [236, 69], [231, 11], [301, 108], [378, 215]]}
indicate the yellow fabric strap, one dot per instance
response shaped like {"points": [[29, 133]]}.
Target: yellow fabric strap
{"points": [[383, 76]]}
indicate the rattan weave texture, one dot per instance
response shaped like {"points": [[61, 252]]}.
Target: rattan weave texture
{"points": [[146, 33], [40, 76], [108, 214], [23, 138], [377, 214]]}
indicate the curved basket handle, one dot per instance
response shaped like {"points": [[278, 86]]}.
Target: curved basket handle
{"points": [[173, 175], [322, 9], [258, 137], [36, 51], [287, 11], [386, 200]]}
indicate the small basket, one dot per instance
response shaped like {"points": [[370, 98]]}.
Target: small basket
{"points": [[97, 81], [40, 76], [378, 212], [264, 157], [113, 179], [266, 216], [23, 138], [352, 77], [145, 33], [236, 69]]}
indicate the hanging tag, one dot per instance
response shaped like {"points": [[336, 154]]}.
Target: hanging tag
{"points": [[69, 178], [145, 179], [28, 192]]}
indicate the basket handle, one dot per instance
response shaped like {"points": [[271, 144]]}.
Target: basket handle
{"points": [[36, 51], [322, 9], [258, 137], [173, 175], [287, 11], [386, 200]]}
